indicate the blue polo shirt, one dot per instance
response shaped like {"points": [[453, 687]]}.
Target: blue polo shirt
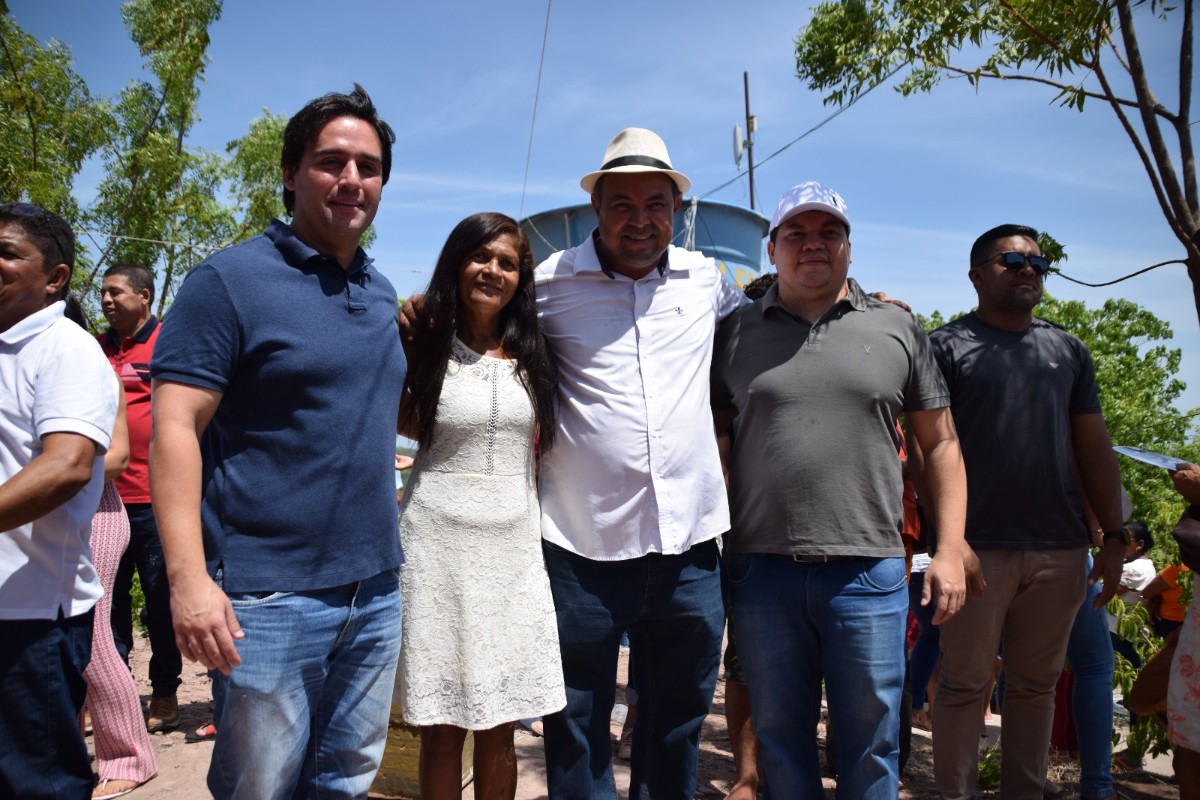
{"points": [[298, 490]]}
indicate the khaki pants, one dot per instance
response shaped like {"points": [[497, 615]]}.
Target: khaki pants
{"points": [[1030, 602]]}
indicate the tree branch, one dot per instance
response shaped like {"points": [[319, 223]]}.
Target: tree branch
{"points": [[1161, 111], [1035, 30], [1158, 147], [1183, 129], [33, 142]]}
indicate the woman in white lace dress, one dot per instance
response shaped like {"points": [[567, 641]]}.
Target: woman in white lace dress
{"points": [[480, 644]]}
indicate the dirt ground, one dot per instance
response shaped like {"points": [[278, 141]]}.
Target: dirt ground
{"points": [[182, 766]]}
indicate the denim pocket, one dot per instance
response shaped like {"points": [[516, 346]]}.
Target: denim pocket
{"points": [[885, 575], [249, 599], [738, 566]]}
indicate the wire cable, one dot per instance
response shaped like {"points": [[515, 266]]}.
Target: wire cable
{"points": [[537, 92], [1124, 278]]}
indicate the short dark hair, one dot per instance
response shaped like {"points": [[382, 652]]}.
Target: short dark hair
{"points": [[303, 129], [758, 287], [979, 249], [49, 232], [520, 328], [1138, 532], [138, 277]]}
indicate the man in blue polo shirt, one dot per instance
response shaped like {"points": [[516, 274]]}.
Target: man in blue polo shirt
{"points": [[276, 391]]}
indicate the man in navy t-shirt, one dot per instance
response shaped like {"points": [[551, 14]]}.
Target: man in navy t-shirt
{"points": [[277, 387]]}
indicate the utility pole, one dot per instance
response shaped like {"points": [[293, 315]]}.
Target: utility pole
{"points": [[751, 125]]}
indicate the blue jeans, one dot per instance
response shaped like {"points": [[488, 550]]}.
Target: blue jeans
{"points": [[841, 621], [927, 651], [306, 713], [672, 607], [145, 554], [42, 754], [1090, 653]]}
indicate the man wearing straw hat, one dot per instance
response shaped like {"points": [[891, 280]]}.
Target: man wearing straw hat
{"points": [[632, 494]]}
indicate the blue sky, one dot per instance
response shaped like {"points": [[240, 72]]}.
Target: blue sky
{"points": [[922, 176]]}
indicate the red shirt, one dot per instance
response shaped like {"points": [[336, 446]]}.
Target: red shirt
{"points": [[131, 361]]}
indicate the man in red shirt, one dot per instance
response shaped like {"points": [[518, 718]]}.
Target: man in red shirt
{"points": [[125, 297]]}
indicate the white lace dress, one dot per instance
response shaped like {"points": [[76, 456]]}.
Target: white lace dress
{"points": [[480, 644]]}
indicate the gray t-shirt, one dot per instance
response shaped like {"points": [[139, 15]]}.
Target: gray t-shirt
{"points": [[815, 468], [1012, 395]]}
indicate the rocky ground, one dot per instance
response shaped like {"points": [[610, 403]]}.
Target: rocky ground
{"points": [[182, 766]]}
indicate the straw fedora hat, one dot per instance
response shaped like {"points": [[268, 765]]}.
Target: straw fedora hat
{"points": [[636, 150]]}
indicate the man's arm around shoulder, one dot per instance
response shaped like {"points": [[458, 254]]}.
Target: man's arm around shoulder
{"points": [[205, 625]]}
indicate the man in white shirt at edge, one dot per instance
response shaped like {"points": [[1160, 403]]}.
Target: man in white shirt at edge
{"points": [[58, 403], [632, 494]]}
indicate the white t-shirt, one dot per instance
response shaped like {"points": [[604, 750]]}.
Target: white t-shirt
{"points": [[634, 468], [54, 378], [1135, 576]]}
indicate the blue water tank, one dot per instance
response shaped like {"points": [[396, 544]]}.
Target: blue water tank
{"points": [[730, 234]]}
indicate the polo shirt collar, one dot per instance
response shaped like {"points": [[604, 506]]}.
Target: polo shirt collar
{"points": [[855, 298], [34, 324], [141, 337], [595, 240], [297, 253]]}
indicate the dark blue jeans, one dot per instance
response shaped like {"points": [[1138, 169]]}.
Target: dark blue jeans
{"points": [[842, 622], [1090, 653], [927, 651], [145, 554], [673, 610], [42, 688]]}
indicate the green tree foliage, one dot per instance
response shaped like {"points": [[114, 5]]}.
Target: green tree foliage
{"points": [[51, 123], [1081, 49], [160, 203], [254, 174], [158, 199]]}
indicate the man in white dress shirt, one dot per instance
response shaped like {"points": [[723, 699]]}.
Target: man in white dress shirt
{"points": [[632, 494]]}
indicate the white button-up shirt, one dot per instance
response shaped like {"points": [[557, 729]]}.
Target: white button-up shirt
{"points": [[54, 378], [634, 469]]}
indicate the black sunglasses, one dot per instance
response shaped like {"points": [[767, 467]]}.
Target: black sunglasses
{"points": [[1013, 260], [41, 217]]}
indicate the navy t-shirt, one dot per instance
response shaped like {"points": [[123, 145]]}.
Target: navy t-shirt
{"points": [[298, 488], [1012, 395]]}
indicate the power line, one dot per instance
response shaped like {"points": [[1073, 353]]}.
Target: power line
{"points": [[812, 130], [1124, 278], [537, 92]]}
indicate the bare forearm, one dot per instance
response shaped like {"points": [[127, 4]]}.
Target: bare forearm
{"points": [[43, 485], [945, 481], [175, 477], [1099, 473]]}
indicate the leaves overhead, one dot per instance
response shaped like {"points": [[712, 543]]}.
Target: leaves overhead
{"points": [[1081, 49], [160, 203]]}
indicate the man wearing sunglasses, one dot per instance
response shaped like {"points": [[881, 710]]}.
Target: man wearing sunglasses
{"points": [[1024, 400]]}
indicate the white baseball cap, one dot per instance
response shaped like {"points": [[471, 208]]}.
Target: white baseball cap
{"points": [[810, 196]]}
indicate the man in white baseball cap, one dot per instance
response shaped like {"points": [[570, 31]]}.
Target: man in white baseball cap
{"points": [[807, 385], [632, 495]]}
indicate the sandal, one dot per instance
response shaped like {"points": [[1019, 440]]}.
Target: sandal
{"points": [[107, 789], [202, 734]]}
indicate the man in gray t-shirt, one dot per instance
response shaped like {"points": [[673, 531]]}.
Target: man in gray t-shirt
{"points": [[807, 384], [1023, 395]]}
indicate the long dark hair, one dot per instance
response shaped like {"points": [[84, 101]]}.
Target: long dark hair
{"points": [[520, 329]]}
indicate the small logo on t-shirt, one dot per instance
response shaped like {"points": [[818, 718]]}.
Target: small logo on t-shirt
{"points": [[866, 348], [1053, 365]]}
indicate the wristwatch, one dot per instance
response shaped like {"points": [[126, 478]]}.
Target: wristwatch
{"points": [[1119, 533]]}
